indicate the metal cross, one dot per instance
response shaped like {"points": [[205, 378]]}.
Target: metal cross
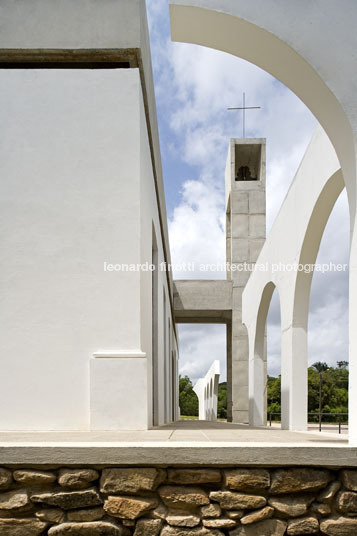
{"points": [[244, 108]]}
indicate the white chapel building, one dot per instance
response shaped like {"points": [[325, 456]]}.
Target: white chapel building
{"points": [[87, 341]]}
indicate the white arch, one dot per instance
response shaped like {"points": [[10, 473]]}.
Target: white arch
{"points": [[207, 391], [257, 364], [269, 34], [317, 62], [294, 239]]}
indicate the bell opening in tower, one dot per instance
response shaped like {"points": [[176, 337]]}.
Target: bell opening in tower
{"points": [[247, 162]]}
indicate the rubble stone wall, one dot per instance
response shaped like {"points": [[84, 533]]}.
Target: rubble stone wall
{"points": [[151, 501]]}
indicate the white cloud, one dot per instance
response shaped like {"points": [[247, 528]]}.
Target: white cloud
{"points": [[197, 232], [194, 88], [200, 345]]}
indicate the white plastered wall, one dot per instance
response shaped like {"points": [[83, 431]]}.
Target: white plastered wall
{"points": [[77, 191], [136, 386], [70, 196], [81, 185]]}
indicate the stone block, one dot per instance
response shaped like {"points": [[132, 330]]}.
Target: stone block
{"points": [[240, 226], [240, 277], [69, 500], [247, 479], [270, 527], [129, 507], [148, 527], [180, 497], [239, 202], [240, 252], [222, 523], [196, 531], [257, 202], [98, 528], [257, 226], [16, 500], [301, 479], [349, 479], [322, 509], [258, 515], [240, 346], [255, 247], [247, 186], [89, 514], [328, 493], [346, 502], [210, 511], [194, 476], [5, 479], [291, 505], [77, 478], [131, 480], [22, 527], [31, 477], [305, 525], [237, 326], [235, 514], [51, 515], [160, 512], [183, 520], [339, 526], [231, 500], [237, 301]]}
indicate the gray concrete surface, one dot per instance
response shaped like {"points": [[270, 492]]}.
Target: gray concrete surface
{"points": [[205, 301], [183, 443]]}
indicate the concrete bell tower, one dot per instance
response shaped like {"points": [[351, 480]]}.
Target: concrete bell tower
{"points": [[245, 237]]}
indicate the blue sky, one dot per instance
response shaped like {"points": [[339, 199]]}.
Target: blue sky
{"points": [[194, 87]]}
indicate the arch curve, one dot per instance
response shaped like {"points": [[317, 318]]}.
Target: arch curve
{"points": [[303, 220], [249, 30], [257, 362]]}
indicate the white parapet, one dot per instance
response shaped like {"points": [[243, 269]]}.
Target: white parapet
{"points": [[207, 391]]}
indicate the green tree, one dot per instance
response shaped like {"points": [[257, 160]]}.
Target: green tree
{"points": [[187, 397], [320, 368], [222, 401], [274, 396], [334, 390], [342, 364]]}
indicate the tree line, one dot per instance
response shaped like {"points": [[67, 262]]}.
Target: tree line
{"points": [[327, 393]]}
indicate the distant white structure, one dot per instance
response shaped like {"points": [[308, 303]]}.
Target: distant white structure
{"points": [[207, 391]]}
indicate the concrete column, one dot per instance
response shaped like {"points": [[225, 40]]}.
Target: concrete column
{"points": [[257, 379], [229, 371], [294, 365], [246, 215]]}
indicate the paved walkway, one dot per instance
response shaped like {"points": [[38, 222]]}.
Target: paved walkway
{"points": [[182, 443], [182, 431]]}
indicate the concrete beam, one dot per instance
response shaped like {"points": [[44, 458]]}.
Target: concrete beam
{"points": [[203, 301], [179, 453]]}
